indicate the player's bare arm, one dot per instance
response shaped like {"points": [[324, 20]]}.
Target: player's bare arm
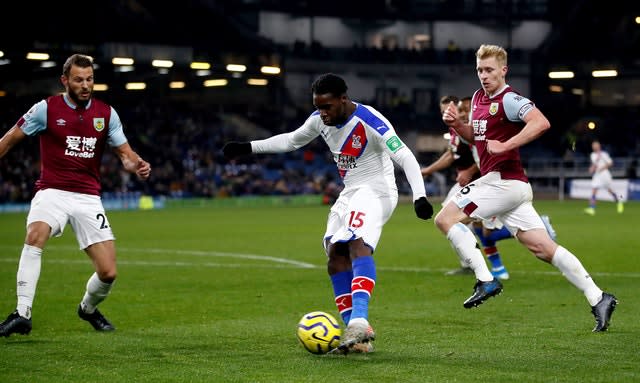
{"points": [[466, 175], [132, 162], [451, 119], [535, 125], [10, 139], [445, 160]]}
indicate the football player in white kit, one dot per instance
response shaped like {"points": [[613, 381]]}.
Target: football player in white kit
{"points": [[601, 177], [502, 121], [364, 145]]}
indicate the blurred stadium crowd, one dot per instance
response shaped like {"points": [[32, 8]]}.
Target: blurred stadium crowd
{"points": [[182, 138], [183, 146]]}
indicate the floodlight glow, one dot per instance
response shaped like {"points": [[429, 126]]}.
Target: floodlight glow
{"points": [[162, 63], [135, 86], [122, 61], [270, 69], [257, 81], [605, 73], [200, 65], [124, 68], [37, 56], [177, 84], [561, 74], [236, 67], [216, 82]]}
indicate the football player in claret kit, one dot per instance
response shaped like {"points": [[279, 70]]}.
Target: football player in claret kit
{"points": [[363, 143], [501, 122], [74, 130]]}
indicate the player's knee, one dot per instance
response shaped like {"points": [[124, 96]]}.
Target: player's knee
{"points": [[357, 248], [442, 222], [37, 234], [107, 276], [337, 264], [542, 250]]}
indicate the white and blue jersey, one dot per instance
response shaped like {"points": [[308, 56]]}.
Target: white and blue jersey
{"points": [[363, 149]]}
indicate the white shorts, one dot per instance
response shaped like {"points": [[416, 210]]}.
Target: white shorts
{"points": [[492, 223], [84, 212], [601, 180], [360, 213], [509, 201], [451, 193]]}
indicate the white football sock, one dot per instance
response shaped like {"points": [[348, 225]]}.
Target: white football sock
{"points": [[464, 243], [96, 292], [573, 270], [27, 278]]}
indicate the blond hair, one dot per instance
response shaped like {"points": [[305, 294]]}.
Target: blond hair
{"points": [[486, 51]]}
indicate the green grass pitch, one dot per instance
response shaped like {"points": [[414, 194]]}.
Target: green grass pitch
{"points": [[213, 294]]}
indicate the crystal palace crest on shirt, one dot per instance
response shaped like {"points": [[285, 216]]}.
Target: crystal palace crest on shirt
{"points": [[356, 142]]}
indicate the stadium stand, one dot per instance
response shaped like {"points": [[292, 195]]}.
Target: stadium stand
{"points": [[183, 129]]}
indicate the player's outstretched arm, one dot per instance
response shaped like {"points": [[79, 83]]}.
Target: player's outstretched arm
{"points": [[10, 139], [132, 162], [405, 158], [445, 160], [235, 149]]}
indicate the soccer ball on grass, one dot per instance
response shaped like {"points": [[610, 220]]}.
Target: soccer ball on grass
{"points": [[318, 332]]}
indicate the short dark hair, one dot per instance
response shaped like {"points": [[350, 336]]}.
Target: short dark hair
{"points": [[83, 61], [329, 83], [449, 98]]}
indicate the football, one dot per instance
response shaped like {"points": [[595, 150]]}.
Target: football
{"points": [[318, 332]]}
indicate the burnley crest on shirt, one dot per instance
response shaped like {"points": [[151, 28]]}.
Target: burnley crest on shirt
{"points": [[493, 109], [98, 123]]}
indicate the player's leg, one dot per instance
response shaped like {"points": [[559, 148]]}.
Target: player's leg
{"points": [[464, 243], [96, 238], [341, 275], [46, 218], [338, 260], [591, 209], [478, 201], [617, 200], [28, 275], [367, 212], [488, 235], [364, 278], [464, 269], [532, 234], [99, 284], [359, 331], [340, 271]]}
